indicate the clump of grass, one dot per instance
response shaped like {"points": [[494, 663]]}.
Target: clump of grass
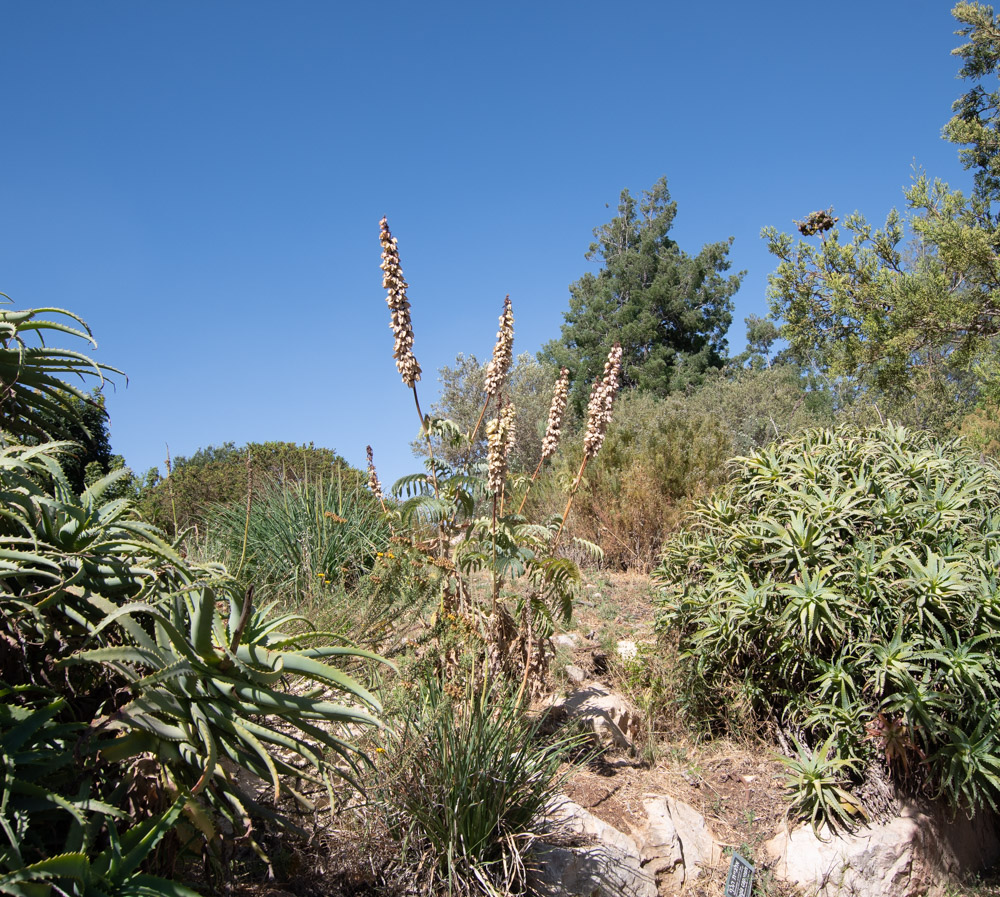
{"points": [[303, 538], [472, 782]]}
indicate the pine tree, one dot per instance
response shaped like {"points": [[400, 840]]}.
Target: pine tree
{"points": [[669, 310]]}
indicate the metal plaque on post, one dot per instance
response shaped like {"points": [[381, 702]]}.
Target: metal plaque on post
{"points": [[739, 882]]}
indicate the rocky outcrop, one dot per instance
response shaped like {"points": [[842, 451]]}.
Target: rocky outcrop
{"points": [[604, 713], [606, 864], [916, 853], [667, 850], [675, 843]]}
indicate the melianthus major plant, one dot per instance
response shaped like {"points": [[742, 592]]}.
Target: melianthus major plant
{"points": [[462, 520], [844, 586]]}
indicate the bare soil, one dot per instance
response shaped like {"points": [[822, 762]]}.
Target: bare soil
{"points": [[738, 788]]}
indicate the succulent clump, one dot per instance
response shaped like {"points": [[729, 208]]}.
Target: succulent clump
{"points": [[503, 352], [602, 398], [399, 307], [560, 396], [499, 438]]}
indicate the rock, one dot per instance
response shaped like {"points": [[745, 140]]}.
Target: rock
{"points": [[676, 842], [566, 640], [915, 853], [606, 714], [575, 674], [608, 865]]}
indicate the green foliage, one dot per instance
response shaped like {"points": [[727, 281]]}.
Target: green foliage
{"points": [[34, 394], [844, 584], [669, 310], [815, 782], [909, 332], [905, 316], [468, 782], [661, 453], [976, 122], [90, 595], [220, 475], [657, 454], [529, 388], [301, 537]]}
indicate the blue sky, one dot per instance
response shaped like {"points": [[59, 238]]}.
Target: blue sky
{"points": [[202, 181]]}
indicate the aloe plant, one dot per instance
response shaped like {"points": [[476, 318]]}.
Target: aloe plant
{"points": [[33, 375], [846, 582], [115, 657], [92, 596]]}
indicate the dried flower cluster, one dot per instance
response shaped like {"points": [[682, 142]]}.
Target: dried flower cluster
{"points": [[503, 352], [602, 397], [373, 482], [399, 305], [499, 438], [816, 223], [559, 398]]}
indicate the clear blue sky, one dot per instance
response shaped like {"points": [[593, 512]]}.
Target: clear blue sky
{"points": [[202, 182]]}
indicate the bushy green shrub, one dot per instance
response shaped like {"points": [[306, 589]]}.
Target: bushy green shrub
{"points": [[657, 454], [844, 585]]}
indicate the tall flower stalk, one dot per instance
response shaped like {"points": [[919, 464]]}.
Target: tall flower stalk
{"points": [[499, 437], [498, 369], [396, 286], [602, 399], [560, 396], [373, 481]]}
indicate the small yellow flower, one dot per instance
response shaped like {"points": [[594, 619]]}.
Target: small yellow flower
{"points": [[380, 750], [380, 554], [391, 555]]}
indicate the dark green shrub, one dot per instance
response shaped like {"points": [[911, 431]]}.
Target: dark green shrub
{"points": [[219, 475], [844, 585]]}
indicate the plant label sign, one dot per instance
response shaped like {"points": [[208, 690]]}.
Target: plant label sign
{"points": [[740, 879]]}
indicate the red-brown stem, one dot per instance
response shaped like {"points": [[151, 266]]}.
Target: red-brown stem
{"points": [[569, 501], [427, 436], [531, 483], [482, 414]]}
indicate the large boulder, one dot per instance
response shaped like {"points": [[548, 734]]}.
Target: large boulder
{"points": [[915, 854], [675, 842], [609, 716], [605, 862]]}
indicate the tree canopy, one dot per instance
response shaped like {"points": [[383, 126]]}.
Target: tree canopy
{"points": [[908, 315], [669, 310], [220, 475]]}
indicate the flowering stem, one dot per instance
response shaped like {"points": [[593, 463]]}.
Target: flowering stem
{"points": [[569, 501], [482, 414], [496, 582], [531, 483], [427, 436]]}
